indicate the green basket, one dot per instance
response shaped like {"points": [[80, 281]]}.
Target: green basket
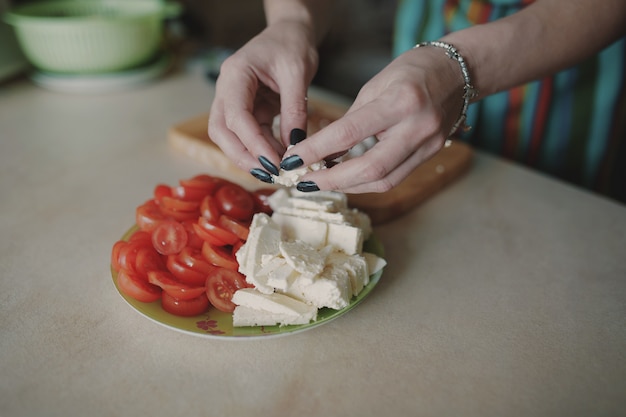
{"points": [[95, 36]]}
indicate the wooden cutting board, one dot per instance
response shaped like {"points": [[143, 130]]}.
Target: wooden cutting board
{"points": [[190, 137]]}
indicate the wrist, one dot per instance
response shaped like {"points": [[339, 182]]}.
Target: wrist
{"points": [[312, 15]]}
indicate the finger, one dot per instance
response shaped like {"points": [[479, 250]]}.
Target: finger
{"points": [[229, 143], [344, 133], [293, 111]]}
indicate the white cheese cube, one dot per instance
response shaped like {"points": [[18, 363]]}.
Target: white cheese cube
{"points": [[263, 239], [374, 262], [303, 257], [310, 231], [346, 238], [246, 316], [287, 309], [330, 289], [355, 265]]}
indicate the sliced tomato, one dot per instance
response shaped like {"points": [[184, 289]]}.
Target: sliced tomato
{"points": [[220, 287], [162, 190], [215, 230], [148, 259], [179, 216], [238, 228], [204, 182], [188, 193], [193, 258], [141, 236], [185, 308], [178, 204], [261, 201], [209, 208], [206, 236], [115, 254], [127, 258], [169, 237], [184, 273], [193, 240], [220, 256], [131, 285], [148, 215], [173, 287], [235, 201]]}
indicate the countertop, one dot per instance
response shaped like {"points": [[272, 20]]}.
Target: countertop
{"points": [[504, 294]]}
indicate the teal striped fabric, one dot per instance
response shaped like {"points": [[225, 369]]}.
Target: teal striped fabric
{"points": [[571, 126]]}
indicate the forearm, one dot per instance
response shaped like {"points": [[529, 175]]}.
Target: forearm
{"points": [[545, 37], [314, 14]]}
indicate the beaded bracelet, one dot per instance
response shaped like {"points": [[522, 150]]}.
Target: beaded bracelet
{"points": [[469, 92]]}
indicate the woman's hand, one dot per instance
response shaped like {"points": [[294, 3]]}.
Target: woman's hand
{"points": [[268, 76], [410, 106]]}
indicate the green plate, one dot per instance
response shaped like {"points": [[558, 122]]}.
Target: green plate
{"points": [[215, 324]]}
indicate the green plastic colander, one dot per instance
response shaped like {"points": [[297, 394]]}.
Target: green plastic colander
{"points": [[95, 36]]}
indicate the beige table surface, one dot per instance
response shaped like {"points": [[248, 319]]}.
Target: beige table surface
{"points": [[505, 294]]}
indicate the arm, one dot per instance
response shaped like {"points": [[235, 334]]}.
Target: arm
{"points": [[542, 39], [267, 76], [412, 104]]}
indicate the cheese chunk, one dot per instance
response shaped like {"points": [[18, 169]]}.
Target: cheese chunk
{"points": [[253, 308], [346, 238], [331, 289], [303, 257], [310, 231], [374, 262], [355, 266]]}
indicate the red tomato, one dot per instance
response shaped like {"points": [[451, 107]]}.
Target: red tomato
{"points": [[162, 190], [220, 256], [178, 204], [127, 258], [185, 308], [235, 201], [169, 237], [115, 254], [193, 258], [173, 287], [188, 193], [184, 273], [209, 208], [147, 260], [133, 286], [216, 231], [220, 287], [141, 236], [261, 203], [206, 236], [237, 228], [193, 240], [148, 215], [204, 182]]}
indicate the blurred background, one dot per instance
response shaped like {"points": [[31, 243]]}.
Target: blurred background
{"points": [[196, 34]]}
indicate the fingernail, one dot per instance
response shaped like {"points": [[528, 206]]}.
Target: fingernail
{"points": [[296, 136], [307, 186], [261, 175], [291, 162], [267, 164]]}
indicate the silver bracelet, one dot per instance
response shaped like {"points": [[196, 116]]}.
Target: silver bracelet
{"points": [[469, 92]]}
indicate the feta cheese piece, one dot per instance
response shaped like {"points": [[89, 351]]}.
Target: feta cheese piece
{"points": [[292, 177], [374, 262], [254, 308], [356, 267], [263, 239], [346, 238], [303, 258], [330, 289], [310, 231]]}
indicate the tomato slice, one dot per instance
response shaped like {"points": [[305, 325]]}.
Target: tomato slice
{"points": [[148, 259], [219, 232], [184, 273], [220, 256], [261, 202], [209, 208], [193, 258], [162, 190], [185, 308], [133, 286], [115, 254], [169, 237], [206, 236], [220, 287], [188, 193], [203, 182], [237, 228], [141, 236], [235, 201], [193, 240], [148, 215], [173, 287], [127, 258], [178, 204]]}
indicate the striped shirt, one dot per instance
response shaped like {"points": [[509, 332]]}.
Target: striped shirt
{"points": [[571, 125]]}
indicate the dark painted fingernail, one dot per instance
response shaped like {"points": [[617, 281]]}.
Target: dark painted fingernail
{"points": [[291, 162], [261, 175], [307, 186], [267, 164], [296, 136]]}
